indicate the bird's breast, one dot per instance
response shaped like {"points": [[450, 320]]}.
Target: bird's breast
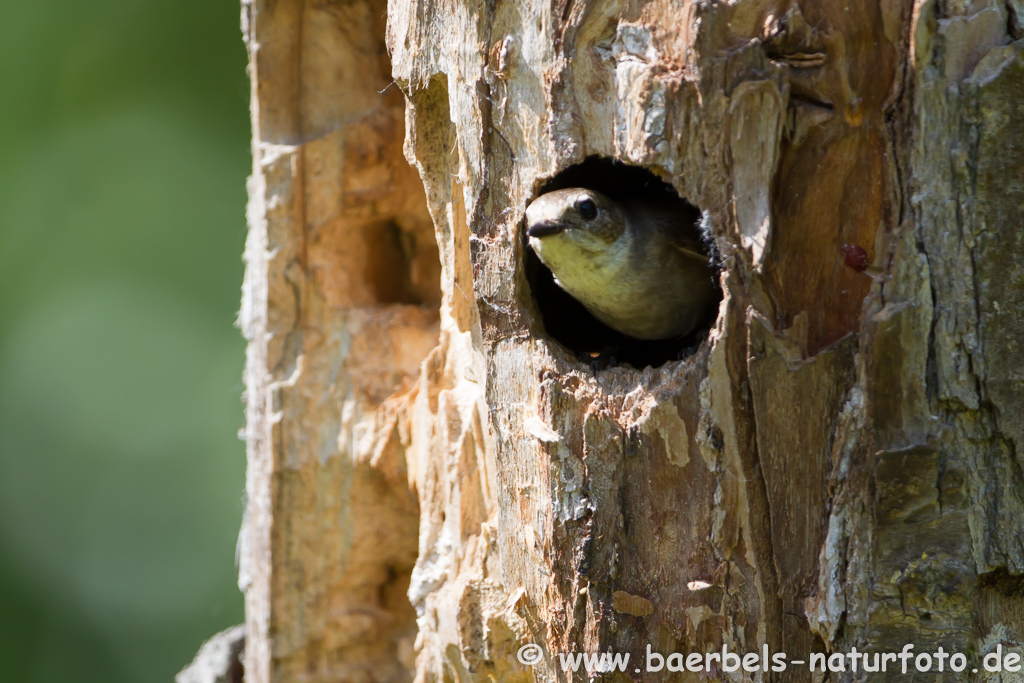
{"points": [[653, 296]]}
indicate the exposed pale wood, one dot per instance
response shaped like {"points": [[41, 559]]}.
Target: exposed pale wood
{"points": [[434, 481]]}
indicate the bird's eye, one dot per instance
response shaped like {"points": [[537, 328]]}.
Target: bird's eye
{"points": [[587, 209]]}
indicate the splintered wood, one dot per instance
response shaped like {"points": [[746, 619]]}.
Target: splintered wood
{"points": [[435, 482]]}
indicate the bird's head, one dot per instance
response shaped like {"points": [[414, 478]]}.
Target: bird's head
{"points": [[570, 222]]}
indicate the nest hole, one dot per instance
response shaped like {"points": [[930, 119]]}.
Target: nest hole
{"points": [[566, 320]]}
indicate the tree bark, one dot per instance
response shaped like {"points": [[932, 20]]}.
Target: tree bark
{"points": [[435, 479]]}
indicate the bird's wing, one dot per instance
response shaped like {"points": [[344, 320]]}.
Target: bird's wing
{"points": [[683, 234], [690, 248], [675, 222]]}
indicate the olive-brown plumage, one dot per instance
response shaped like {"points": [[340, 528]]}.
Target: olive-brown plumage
{"points": [[637, 266]]}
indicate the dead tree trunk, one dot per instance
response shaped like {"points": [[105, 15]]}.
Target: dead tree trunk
{"points": [[436, 480]]}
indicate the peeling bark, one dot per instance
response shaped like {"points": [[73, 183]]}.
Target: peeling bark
{"points": [[435, 479]]}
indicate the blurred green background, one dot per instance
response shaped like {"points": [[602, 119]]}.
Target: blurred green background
{"points": [[123, 155]]}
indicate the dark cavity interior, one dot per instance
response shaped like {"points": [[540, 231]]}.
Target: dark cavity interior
{"points": [[565, 319]]}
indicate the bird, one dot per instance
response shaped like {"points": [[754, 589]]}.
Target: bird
{"points": [[637, 265]]}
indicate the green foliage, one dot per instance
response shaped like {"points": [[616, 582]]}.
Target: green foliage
{"points": [[123, 155]]}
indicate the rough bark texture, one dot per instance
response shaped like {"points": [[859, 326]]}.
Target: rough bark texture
{"points": [[435, 481], [218, 660]]}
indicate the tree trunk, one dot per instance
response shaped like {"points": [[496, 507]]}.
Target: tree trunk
{"points": [[436, 480]]}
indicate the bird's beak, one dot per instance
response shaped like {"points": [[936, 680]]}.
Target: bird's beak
{"points": [[544, 228]]}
